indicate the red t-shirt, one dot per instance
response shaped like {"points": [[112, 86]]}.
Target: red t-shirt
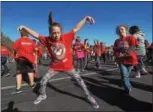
{"points": [[60, 51], [4, 51], [25, 48], [86, 51], [97, 50], [126, 60], [39, 50], [103, 49], [78, 46]]}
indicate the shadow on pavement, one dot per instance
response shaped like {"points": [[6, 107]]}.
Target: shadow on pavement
{"points": [[138, 85], [116, 97], [66, 93], [11, 108], [2, 73], [103, 72]]}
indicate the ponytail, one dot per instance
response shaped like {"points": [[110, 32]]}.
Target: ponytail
{"points": [[50, 19], [52, 23]]}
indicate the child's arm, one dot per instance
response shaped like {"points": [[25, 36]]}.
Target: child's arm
{"points": [[30, 31], [82, 22]]}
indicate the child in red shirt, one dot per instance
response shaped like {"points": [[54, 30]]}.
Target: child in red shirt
{"points": [[4, 59], [36, 56], [103, 51], [79, 55], [24, 48], [60, 48], [125, 62], [86, 52], [91, 52], [97, 50], [4, 51]]}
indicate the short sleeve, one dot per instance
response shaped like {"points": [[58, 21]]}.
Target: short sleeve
{"points": [[16, 44], [34, 44], [69, 36], [133, 41], [42, 40], [115, 45]]}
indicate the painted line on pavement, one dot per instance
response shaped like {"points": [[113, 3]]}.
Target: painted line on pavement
{"points": [[52, 80]]}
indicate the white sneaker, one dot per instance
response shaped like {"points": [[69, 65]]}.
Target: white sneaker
{"points": [[138, 75], [144, 71], [82, 70], [93, 102], [8, 74], [39, 99]]}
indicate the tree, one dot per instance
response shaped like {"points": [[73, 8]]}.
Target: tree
{"points": [[6, 41]]}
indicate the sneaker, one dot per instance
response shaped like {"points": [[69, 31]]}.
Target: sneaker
{"points": [[39, 99], [78, 71], [33, 85], [82, 70], [93, 102], [8, 74], [17, 91], [144, 70], [138, 75], [127, 91]]}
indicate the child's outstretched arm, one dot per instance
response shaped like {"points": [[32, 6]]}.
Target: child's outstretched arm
{"points": [[82, 22], [29, 31]]}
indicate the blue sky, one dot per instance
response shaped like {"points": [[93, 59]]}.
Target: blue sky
{"points": [[106, 14]]}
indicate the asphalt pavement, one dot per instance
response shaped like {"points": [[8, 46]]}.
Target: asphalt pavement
{"points": [[63, 94]]}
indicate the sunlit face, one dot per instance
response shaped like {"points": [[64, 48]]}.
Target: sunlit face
{"points": [[56, 33], [122, 31]]}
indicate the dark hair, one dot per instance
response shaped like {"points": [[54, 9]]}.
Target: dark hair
{"points": [[117, 28], [101, 43], [134, 29], [146, 41], [52, 23], [77, 39], [85, 40]]}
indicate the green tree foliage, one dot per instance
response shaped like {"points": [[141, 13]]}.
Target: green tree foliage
{"points": [[6, 41]]}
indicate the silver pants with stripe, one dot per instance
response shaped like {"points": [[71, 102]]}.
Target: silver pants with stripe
{"points": [[73, 74]]}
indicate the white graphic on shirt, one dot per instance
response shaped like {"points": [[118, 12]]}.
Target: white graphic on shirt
{"points": [[121, 44], [3, 50], [26, 43], [58, 50]]}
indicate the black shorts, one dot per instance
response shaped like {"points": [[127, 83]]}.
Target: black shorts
{"points": [[23, 66], [3, 60]]}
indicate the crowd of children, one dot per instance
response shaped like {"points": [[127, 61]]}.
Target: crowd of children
{"points": [[128, 52]]}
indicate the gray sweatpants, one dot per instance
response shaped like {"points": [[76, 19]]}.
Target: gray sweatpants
{"points": [[71, 73]]}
